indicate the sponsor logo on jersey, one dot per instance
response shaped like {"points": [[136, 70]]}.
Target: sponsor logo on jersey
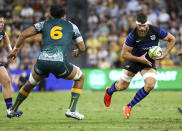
{"points": [[138, 41], [147, 48], [152, 37]]}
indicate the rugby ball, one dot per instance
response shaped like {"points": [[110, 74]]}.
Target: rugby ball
{"points": [[155, 52]]}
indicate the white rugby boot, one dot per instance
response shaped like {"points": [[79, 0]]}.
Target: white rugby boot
{"points": [[75, 115]]}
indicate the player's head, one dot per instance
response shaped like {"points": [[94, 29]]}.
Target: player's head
{"points": [[142, 24], [1, 22], [57, 11]]}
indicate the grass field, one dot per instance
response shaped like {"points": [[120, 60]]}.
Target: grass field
{"points": [[44, 111]]}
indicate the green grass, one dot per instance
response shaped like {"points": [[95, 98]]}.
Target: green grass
{"points": [[44, 111]]}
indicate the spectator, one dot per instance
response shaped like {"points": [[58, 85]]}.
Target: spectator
{"points": [[105, 24]]}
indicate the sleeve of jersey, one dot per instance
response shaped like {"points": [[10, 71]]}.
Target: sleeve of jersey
{"points": [[76, 34], [162, 33], [39, 26], [130, 40]]}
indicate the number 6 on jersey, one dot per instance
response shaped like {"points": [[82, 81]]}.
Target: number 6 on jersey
{"points": [[56, 33]]}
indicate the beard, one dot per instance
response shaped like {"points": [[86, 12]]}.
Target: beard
{"points": [[142, 33]]}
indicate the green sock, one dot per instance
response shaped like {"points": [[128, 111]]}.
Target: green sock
{"points": [[22, 95], [74, 99]]}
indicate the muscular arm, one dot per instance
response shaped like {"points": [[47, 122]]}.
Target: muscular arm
{"points": [[179, 53], [25, 34], [7, 42], [126, 54], [81, 47], [171, 41]]}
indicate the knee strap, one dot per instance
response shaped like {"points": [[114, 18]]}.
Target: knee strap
{"points": [[147, 75], [126, 77], [32, 80], [78, 74]]}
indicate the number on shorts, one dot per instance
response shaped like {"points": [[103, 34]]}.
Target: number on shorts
{"points": [[56, 33]]}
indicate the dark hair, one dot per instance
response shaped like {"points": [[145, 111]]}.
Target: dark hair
{"points": [[57, 11], [142, 18]]}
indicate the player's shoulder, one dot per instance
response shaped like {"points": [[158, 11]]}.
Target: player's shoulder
{"points": [[133, 33], [153, 27], [157, 30], [74, 27], [72, 24], [41, 22]]}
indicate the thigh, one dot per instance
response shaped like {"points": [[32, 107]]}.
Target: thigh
{"points": [[62, 69], [41, 68], [36, 76], [132, 67], [3, 74], [149, 75], [73, 73], [126, 77]]}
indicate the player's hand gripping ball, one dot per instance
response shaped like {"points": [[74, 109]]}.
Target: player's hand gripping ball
{"points": [[155, 52]]}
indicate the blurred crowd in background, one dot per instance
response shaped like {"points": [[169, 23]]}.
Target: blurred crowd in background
{"points": [[104, 25]]}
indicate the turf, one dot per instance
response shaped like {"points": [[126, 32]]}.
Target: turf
{"points": [[44, 111]]}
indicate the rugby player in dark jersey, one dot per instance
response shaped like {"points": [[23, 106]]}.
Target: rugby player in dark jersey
{"points": [[4, 77], [135, 51], [57, 36]]}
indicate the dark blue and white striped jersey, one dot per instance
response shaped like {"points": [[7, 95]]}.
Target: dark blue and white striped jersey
{"points": [[142, 44]]}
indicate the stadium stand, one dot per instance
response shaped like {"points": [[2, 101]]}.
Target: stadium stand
{"points": [[103, 23]]}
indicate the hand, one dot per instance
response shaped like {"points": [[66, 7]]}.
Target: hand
{"points": [[144, 60], [12, 55], [179, 53], [76, 53]]}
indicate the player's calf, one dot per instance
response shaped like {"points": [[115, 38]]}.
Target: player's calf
{"points": [[121, 85], [75, 94]]}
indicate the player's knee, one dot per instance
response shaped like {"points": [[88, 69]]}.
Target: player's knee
{"points": [[150, 80], [79, 75], [150, 85], [121, 86], [82, 77], [32, 80], [6, 83]]}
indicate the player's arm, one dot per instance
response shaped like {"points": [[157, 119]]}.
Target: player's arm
{"points": [[32, 30], [171, 42], [24, 35], [80, 49], [165, 36], [7, 42], [77, 37], [179, 53], [128, 47], [126, 54]]}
